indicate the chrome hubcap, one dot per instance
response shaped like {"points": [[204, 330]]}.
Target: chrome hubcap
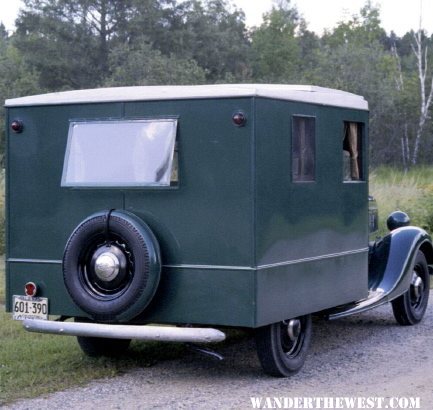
{"points": [[294, 329], [417, 287], [107, 266]]}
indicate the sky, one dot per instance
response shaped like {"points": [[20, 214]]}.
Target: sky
{"points": [[397, 15]]}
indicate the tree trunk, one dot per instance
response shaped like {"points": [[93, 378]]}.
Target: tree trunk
{"points": [[421, 57]]}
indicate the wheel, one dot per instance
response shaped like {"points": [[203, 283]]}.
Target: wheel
{"points": [[98, 346], [282, 347], [410, 307], [111, 266]]}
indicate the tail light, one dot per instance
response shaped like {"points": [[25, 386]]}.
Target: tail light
{"points": [[30, 289]]}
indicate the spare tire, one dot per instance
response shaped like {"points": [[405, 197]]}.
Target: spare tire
{"points": [[112, 266]]}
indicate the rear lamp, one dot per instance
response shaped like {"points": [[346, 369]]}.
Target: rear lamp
{"points": [[30, 289], [239, 119], [17, 126]]}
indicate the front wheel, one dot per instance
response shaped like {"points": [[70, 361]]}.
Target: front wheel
{"points": [[282, 347], [410, 307]]}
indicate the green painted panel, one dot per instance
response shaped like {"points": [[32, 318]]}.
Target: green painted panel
{"points": [[208, 219], [285, 292], [307, 219], [49, 280], [235, 206], [204, 296], [41, 215], [199, 296]]}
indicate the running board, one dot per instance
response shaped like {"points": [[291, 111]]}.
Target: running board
{"points": [[374, 299], [145, 332]]}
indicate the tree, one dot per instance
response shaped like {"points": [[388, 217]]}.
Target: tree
{"points": [[16, 79], [70, 42], [360, 30], [213, 34], [276, 50], [143, 65], [353, 57], [60, 47]]}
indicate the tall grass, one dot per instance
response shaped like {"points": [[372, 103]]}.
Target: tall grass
{"points": [[410, 192]]}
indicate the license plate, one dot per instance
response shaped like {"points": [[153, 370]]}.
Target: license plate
{"points": [[29, 307]]}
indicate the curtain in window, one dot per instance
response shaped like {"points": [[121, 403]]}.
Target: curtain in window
{"points": [[352, 147]]}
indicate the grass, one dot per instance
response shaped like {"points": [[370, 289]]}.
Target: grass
{"points": [[34, 364], [410, 192]]}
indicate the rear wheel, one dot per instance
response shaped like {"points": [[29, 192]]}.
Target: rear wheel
{"points": [[96, 347], [410, 307], [99, 346], [282, 347]]}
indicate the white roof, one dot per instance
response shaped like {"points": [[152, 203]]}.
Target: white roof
{"points": [[303, 93]]}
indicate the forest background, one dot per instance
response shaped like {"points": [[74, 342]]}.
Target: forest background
{"points": [[75, 44]]}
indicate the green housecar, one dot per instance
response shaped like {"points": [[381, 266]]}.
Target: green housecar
{"points": [[202, 207]]}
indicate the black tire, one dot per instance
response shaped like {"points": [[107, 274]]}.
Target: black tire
{"points": [[410, 307], [119, 291], [281, 349], [97, 347]]}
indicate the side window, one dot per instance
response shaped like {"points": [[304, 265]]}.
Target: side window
{"points": [[352, 152], [303, 149]]}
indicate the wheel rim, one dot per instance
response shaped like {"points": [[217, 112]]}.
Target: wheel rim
{"points": [[292, 333], [417, 289], [106, 268]]}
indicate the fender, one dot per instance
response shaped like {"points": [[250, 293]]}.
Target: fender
{"points": [[390, 268]]}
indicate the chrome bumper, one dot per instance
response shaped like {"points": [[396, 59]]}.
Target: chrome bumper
{"points": [[157, 333]]}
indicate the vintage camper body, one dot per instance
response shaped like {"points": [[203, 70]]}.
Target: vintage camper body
{"points": [[205, 206]]}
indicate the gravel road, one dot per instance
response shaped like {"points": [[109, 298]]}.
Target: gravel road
{"points": [[365, 355]]}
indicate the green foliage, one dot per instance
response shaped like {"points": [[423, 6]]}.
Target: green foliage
{"points": [[17, 78], [369, 71], [361, 30], [275, 47], [144, 66], [214, 36], [73, 44], [55, 46]]}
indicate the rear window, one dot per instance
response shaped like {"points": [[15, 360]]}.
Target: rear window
{"points": [[121, 153]]}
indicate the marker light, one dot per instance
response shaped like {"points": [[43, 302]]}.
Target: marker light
{"points": [[17, 126], [239, 119], [30, 289]]}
